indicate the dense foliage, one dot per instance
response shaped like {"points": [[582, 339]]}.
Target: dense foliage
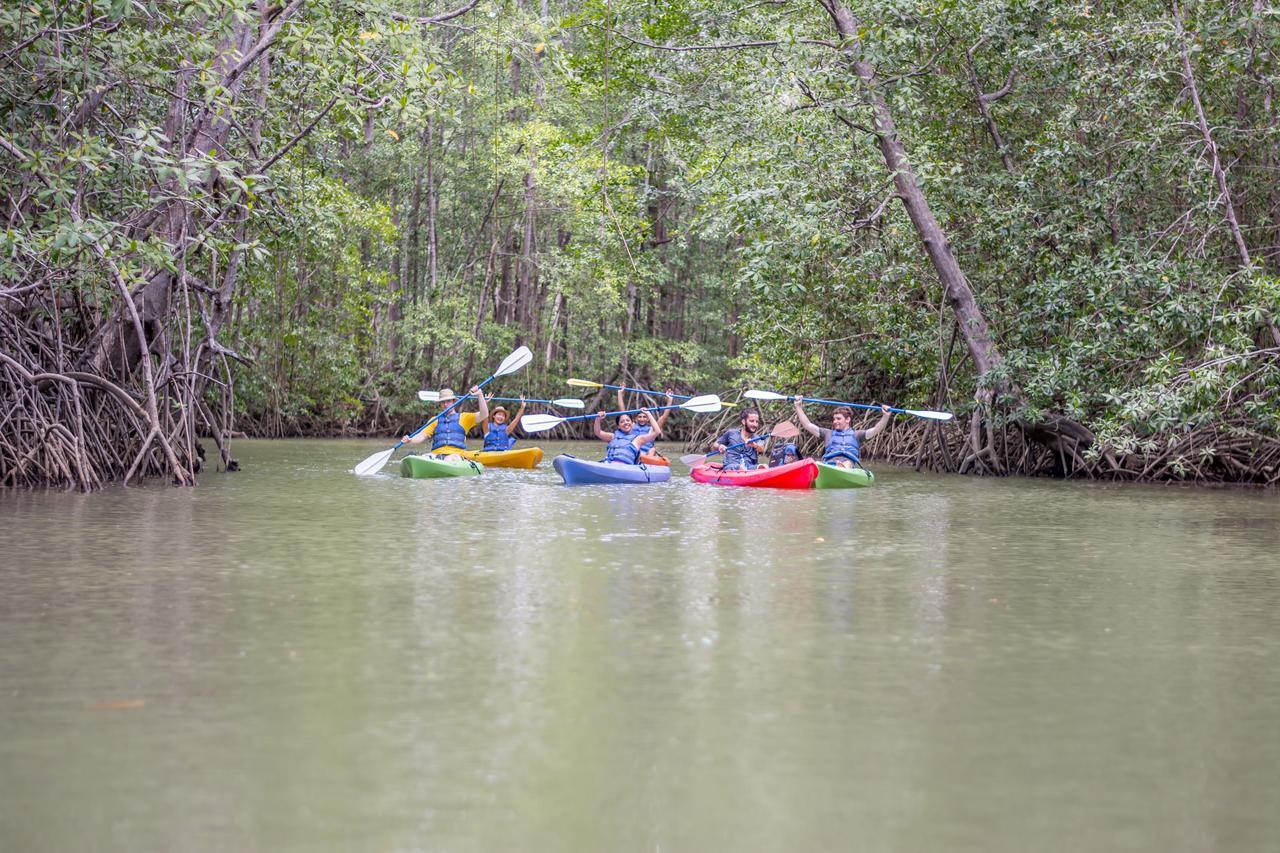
{"points": [[675, 192]]}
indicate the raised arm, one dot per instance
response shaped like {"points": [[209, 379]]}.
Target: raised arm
{"points": [[808, 425], [622, 404], [515, 422], [865, 434], [645, 437], [600, 432], [484, 404], [662, 418], [484, 422]]}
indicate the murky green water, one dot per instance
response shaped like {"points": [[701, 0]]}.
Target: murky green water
{"points": [[292, 658]]}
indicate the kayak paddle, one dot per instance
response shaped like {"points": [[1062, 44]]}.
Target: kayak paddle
{"points": [[516, 361], [786, 429], [587, 383], [769, 395], [561, 403], [706, 404]]}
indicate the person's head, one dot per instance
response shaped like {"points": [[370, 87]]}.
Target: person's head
{"points": [[447, 398], [624, 423], [750, 418], [642, 419], [842, 417], [498, 415]]}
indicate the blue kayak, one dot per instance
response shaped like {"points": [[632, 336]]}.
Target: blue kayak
{"points": [[581, 472]]}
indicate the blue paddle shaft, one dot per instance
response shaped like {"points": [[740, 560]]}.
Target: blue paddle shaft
{"points": [[615, 414], [646, 391], [850, 405]]}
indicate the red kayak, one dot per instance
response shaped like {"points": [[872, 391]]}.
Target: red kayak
{"points": [[797, 475]]}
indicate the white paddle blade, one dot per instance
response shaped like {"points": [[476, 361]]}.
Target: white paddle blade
{"points": [[429, 396], [584, 383], [933, 416], [539, 423], [516, 361], [754, 394], [374, 463], [706, 404], [693, 460], [568, 403]]}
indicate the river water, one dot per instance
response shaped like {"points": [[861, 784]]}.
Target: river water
{"points": [[294, 658]]}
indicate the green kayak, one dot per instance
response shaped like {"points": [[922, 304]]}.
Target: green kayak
{"points": [[428, 466], [835, 477]]}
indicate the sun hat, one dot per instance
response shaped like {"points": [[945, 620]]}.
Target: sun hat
{"points": [[446, 394]]}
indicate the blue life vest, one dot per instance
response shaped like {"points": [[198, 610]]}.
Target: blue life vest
{"points": [[843, 442], [738, 457], [642, 429], [497, 438], [449, 432], [621, 449]]}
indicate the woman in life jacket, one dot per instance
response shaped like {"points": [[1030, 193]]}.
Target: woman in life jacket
{"points": [[624, 443], [498, 434], [748, 455], [642, 422], [841, 443], [448, 427]]}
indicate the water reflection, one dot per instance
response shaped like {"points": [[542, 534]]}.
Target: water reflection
{"points": [[934, 663]]}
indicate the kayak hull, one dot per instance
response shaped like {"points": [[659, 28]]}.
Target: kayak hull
{"points": [[585, 472], [797, 475], [835, 477], [431, 467], [520, 457]]}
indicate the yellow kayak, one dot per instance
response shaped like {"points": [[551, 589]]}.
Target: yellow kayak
{"points": [[521, 457]]}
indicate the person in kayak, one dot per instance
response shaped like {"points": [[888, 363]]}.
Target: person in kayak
{"points": [[642, 424], [841, 444], [783, 454], [498, 434], [449, 431], [624, 443], [748, 455]]}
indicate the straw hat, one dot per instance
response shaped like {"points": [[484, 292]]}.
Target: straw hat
{"points": [[497, 409], [446, 394]]}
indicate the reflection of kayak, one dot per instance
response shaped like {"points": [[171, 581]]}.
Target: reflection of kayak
{"points": [[578, 472], [520, 457], [428, 466], [835, 477], [654, 458], [797, 475]]}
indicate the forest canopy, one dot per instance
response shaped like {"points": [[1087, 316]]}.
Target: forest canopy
{"points": [[1060, 220]]}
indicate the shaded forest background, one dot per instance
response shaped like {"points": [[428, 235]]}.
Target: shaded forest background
{"points": [[1060, 220]]}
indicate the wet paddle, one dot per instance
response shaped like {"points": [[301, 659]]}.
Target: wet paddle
{"points": [[516, 361], [706, 404], [587, 383], [561, 403], [786, 429], [753, 394]]}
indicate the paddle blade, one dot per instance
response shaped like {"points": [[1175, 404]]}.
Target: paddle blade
{"points": [[693, 460], [585, 383], [786, 429], [373, 464], [568, 403], [429, 396], [754, 394], [933, 416], [516, 361], [540, 422], [706, 404]]}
